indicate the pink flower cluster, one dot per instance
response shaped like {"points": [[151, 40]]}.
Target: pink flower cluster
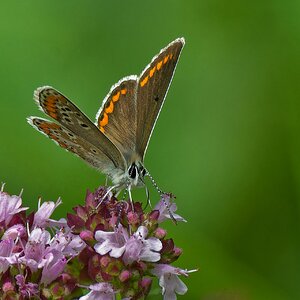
{"points": [[108, 249], [32, 261]]}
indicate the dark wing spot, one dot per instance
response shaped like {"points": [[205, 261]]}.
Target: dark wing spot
{"points": [[68, 120], [156, 98], [67, 108], [65, 114], [84, 125], [70, 134]]}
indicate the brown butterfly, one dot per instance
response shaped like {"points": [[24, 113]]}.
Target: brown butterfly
{"points": [[116, 144]]}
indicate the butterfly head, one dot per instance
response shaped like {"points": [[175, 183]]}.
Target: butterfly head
{"points": [[136, 173]]}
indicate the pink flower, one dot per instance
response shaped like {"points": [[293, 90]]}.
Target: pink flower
{"points": [[35, 249], [164, 214], [139, 248], [41, 217], [14, 232], [55, 264], [111, 242], [6, 255], [26, 289], [100, 291], [135, 248], [68, 243], [169, 280], [9, 206]]}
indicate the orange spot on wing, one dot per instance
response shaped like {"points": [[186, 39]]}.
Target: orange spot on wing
{"points": [[101, 129], [53, 115], [159, 64], [63, 145], [171, 55], [166, 59], [123, 91], [50, 109], [152, 71], [51, 100], [46, 130], [52, 136], [104, 120], [144, 81], [43, 125], [110, 108], [116, 96], [53, 126]]}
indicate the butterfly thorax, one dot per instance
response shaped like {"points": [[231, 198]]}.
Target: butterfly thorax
{"points": [[133, 176]]}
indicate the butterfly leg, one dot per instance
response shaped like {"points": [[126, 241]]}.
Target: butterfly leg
{"points": [[148, 197], [106, 194], [130, 197]]}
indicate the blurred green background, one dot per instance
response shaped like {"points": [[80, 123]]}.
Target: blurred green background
{"points": [[227, 142]]}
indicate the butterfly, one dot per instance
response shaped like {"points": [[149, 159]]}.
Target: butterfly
{"points": [[117, 142]]}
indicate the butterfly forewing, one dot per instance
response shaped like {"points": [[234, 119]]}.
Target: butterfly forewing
{"points": [[117, 116], [57, 106], [153, 85]]}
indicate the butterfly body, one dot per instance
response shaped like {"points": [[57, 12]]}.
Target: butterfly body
{"points": [[117, 142]]}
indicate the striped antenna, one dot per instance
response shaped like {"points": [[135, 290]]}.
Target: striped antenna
{"points": [[162, 196]]}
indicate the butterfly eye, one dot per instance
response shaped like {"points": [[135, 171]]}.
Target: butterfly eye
{"points": [[132, 171]]}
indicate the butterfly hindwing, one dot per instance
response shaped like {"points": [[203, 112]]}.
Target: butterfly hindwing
{"points": [[57, 106], [153, 85], [73, 143]]}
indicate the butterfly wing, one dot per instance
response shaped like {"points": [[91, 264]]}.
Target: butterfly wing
{"points": [[130, 110], [73, 121], [68, 140], [152, 88], [117, 116]]}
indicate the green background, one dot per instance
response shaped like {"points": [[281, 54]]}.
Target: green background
{"points": [[227, 142]]}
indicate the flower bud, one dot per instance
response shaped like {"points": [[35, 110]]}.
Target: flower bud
{"points": [[160, 233], [125, 275], [87, 236]]}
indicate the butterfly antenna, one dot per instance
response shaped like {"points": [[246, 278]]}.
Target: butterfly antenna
{"points": [[169, 210], [154, 183], [161, 194]]}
